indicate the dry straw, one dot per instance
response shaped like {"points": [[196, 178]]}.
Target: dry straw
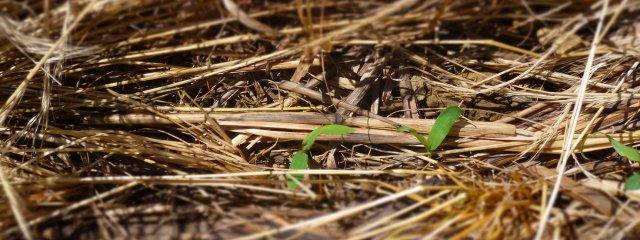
{"points": [[178, 119]]}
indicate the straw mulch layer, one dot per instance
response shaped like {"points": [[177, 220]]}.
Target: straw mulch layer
{"points": [[177, 119]]}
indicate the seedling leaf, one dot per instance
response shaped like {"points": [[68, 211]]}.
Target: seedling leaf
{"points": [[624, 150], [409, 130], [633, 182], [405, 129], [442, 126], [332, 129], [298, 162]]}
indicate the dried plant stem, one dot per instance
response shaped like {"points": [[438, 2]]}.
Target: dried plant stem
{"points": [[280, 120], [568, 147], [319, 221]]}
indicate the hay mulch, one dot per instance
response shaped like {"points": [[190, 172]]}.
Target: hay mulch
{"points": [[177, 119]]}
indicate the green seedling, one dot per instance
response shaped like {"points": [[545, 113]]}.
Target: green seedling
{"points": [[333, 129], [423, 141], [624, 150], [439, 131], [300, 159], [443, 125], [633, 182]]}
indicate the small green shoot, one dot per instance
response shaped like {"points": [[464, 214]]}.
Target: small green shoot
{"points": [[443, 125], [633, 182], [439, 131], [300, 159], [624, 150], [333, 129], [406, 129]]}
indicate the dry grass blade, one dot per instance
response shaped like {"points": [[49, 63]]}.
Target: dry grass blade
{"points": [[131, 119], [245, 19], [16, 96], [15, 205], [568, 147]]}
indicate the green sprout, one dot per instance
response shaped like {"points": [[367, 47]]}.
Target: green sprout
{"points": [[300, 158]]}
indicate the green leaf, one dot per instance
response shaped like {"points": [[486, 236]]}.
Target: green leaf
{"points": [[633, 182], [332, 129], [624, 150], [409, 130], [405, 129], [442, 126], [298, 162]]}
